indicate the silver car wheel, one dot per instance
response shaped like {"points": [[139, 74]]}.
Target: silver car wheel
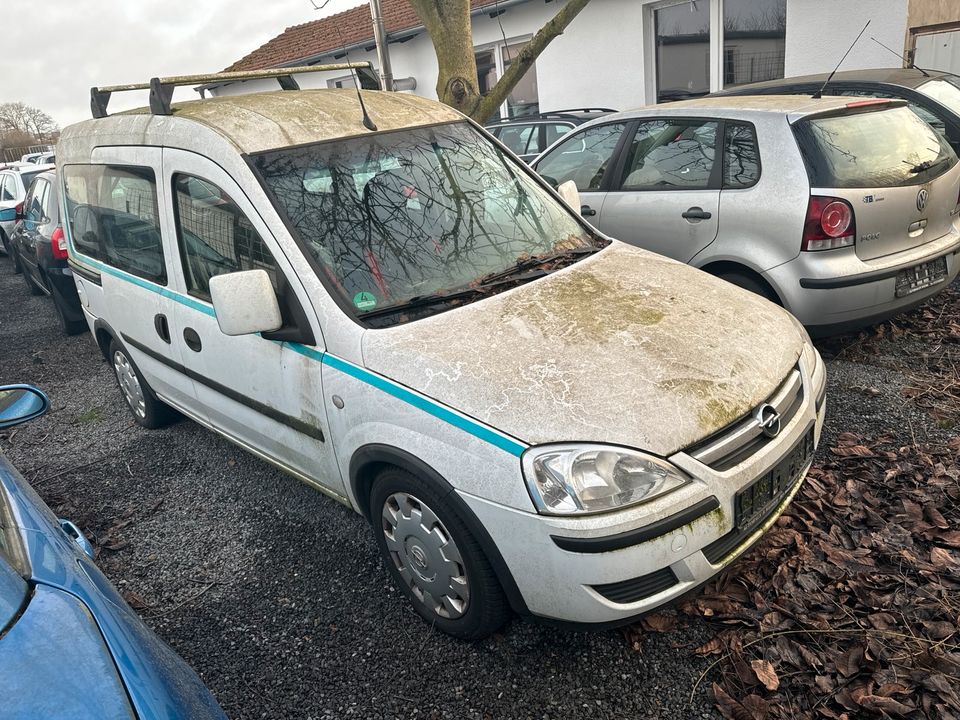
{"points": [[425, 555], [129, 384]]}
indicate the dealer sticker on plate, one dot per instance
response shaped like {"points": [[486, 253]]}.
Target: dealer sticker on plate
{"points": [[922, 276]]}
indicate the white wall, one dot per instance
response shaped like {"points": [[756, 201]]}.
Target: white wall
{"points": [[820, 31]]}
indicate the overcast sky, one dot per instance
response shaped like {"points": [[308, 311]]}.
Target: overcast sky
{"points": [[72, 45]]}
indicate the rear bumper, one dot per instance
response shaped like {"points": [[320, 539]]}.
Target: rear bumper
{"points": [[835, 290]]}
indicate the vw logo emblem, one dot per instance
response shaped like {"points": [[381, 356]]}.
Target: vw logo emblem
{"points": [[922, 199], [768, 419]]}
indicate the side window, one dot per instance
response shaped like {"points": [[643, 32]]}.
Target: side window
{"points": [[583, 157], [741, 156], [671, 155], [215, 236], [33, 204], [517, 138], [554, 132], [7, 191], [113, 217]]}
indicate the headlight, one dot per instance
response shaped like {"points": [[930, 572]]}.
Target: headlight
{"points": [[579, 479]]}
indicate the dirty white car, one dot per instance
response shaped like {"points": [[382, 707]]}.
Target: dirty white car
{"points": [[532, 416]]}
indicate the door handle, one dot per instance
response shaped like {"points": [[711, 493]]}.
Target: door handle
{"points": [[696, 213], [192, 340], [162, 327], [587, 211]]}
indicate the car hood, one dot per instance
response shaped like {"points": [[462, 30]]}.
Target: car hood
{"points": [[626, 347]]}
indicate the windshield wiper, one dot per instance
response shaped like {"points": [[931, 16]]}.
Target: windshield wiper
{"points": [[527, 263], [437, 298]]}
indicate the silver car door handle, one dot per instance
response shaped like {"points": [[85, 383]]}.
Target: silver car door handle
{"points": [[696, 213]]}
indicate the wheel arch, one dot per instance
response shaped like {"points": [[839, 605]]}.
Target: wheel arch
{"points": [[103, 334], [368, 460], [720, 268]]}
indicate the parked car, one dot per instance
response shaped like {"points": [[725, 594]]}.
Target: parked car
{"points": [[32, 158], [69, 644], [529, 135], [408, 319], [844, 212], [933, 94], [39, 248], [14, 181]]}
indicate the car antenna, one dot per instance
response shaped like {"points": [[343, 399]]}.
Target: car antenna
{"points": [[902, 57], [367, 122], [819, 93]]}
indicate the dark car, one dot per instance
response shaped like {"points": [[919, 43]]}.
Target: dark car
{"points": [[39, 249], [529, 135], [70, 647], [933, 94]]}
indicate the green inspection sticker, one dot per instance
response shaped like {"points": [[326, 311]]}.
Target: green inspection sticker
{"points": [[364, 301]]}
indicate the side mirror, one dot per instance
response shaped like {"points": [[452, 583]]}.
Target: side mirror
{"points": [[568, 191], [20, 403], [245, 303]]}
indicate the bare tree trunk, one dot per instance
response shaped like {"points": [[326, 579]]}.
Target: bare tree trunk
{"points": [[448, 24]]}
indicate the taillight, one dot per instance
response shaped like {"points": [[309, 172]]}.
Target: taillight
{"points": [[58, 244], [18, 210], [830, 224]]}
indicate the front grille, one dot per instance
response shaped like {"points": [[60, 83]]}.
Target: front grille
{"points": [[742, 438], [638, 588]]}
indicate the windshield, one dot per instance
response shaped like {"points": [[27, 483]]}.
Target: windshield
{"points": [[400, 216], [886, 148], [945, 91]]}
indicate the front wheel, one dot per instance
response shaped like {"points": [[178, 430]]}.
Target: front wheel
{"points": [[434, 558], [146, 408]]}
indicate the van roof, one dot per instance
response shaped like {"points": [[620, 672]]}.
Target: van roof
{"points": [[255, 122]]}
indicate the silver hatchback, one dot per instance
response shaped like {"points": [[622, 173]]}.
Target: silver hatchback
{"points": [[844, 212]]}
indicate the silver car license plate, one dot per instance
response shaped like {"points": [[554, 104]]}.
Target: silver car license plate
{"points": [[922, 276]]}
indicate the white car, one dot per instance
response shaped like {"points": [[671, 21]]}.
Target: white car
{"points": [[14, 181], [531, 415]]}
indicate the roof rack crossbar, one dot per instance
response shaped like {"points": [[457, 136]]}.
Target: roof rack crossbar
{"points": [[161, 89]]}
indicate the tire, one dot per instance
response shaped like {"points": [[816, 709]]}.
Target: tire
{"points": [[438, 552], [69, 327], [752, 284], [147, 410], [29, 282], [5, 242], [17, 267]]}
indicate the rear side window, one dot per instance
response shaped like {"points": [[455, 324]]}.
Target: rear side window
{"points": [[7, 188], [741, 156], [215, 236], [518, 138], [583, 157], [886, 148], [113, 217]]}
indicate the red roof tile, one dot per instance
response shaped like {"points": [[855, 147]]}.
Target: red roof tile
{"points": [[344, 29]]}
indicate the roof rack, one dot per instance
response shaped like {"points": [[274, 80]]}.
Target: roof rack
{"points": [[161, 89], [580, 110]]}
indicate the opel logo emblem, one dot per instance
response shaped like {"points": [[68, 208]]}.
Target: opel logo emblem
{"points": [[922, 199], [768, 419]]}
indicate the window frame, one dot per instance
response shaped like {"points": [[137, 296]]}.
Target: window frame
{"points": [[716, 173], [162, 280], [279, 279]]}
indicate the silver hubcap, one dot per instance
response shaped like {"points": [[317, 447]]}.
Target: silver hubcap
{"points": [[129, 384], [425, 555]]}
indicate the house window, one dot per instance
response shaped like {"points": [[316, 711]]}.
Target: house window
{"points": [[347, 81], [492, 63], [754, 40], [683, 50]]}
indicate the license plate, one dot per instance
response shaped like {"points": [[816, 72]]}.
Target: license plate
{"points": [[922, 276], [757, 500]]}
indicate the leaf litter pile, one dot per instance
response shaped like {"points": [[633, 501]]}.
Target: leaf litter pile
{"points": [[849, 607]]}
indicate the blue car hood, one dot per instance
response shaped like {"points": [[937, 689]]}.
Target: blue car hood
{"points": [[66, 673]]}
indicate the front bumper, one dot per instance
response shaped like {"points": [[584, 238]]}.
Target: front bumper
{"points": [[835, 290], [601, 587]]}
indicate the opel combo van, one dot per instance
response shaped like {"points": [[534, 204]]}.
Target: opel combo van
{"points": [[387, 304]]}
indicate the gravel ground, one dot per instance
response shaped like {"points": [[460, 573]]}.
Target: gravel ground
{"points": [[276, 595]]}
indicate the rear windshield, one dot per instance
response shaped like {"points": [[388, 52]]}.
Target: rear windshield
{"points": [[27, 177], [945, 91], [886, 148], [395, 216]]}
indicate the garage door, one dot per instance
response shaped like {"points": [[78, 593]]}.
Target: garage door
{"points": [[939, 51]]}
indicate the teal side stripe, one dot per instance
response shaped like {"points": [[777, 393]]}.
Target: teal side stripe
{"points": [[430, 407]]}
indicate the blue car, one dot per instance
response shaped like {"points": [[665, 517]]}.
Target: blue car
{"points": [[70, 647]]}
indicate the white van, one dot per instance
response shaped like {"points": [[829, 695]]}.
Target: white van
{"points": [[532, 416]]}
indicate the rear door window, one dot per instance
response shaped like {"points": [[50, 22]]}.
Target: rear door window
{"points": [[113, 217], [885, 148], [34, 203], [553, 132], [215, 236], [671, 154], [519, 137], [583, 157], [741, 156]]}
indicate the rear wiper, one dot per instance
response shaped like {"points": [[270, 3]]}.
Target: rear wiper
{"points": [[927, 165], [524, 264]]}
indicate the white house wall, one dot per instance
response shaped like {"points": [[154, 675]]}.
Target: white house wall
{"points": [[820, 31]]}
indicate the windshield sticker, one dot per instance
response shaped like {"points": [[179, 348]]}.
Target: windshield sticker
{"points": [[365, 301]]}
